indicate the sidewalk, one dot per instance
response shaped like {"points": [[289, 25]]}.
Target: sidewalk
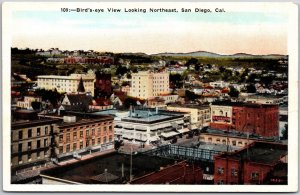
{"points": [[85, 157]]}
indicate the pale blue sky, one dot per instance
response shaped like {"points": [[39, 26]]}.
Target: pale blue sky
{"points": [[230, 32]]}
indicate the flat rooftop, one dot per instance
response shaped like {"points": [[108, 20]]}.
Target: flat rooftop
{"points": [[91, 171], [150, 116], [32, 123], [237, 104], [259, 152], [236, 134]]}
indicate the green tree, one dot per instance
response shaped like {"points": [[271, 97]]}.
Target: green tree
{"points": [[233, 92], [250, 88], [285, 132]]}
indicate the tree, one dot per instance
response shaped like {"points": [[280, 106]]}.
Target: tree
{"points": [[191, 61], [250, 88], [285, 132], [190, 95], [233, 92], [176, 80], [129, 102]]}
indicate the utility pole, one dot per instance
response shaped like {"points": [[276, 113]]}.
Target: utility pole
{"points": [[130, 176]]}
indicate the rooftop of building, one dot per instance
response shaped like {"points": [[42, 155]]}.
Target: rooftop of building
{"points": [[236, 134], [32, 123], [243, 104], [151, 116], [266, 96], [200, 107], [259, 152], [91, 171], [84, 119]]}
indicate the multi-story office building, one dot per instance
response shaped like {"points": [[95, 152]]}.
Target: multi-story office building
{"points": [[250, 165], [259, 119], [200, 115], [74, 137], [147, 84], [26, 103], [149, 126], [30, 142], [67, 83]]}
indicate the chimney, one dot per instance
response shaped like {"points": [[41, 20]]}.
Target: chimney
{"points": [[69, 119]]}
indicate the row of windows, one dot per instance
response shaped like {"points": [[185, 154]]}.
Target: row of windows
{"points": [[29, 145], [218, 140], [29, 156], [81, 145], [87, 133], [29, 133]]}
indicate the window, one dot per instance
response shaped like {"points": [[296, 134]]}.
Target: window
{"points": [[220, 181], [75, 135], [81, 134], [87, 133], [99, 131], [38, 154], [93, 142], [218, 140], [110, 128], [68, 148], [110, 138], [29, 157], [38, 144], [74, 146], [104, 129], [45, 142], [81, 145], [223, 141], [93, 132], [234, 143], [61, 137], [46, 130], [254, 175], [29, 133], [234, 172], [209, 139], [220, 170], [99, 140], [20, 134], [38, 131], [20, 148], [68, 137], [61, 149], [29, 145], [104, 140]]}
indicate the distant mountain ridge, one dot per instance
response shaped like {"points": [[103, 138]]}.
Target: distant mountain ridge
{"points": [[215, 55]]}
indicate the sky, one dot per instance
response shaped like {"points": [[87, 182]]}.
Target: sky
{"points": [[235, 31]]}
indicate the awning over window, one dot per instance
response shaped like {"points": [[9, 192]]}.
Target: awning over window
{"points": [[184, 130], [169, 134]]}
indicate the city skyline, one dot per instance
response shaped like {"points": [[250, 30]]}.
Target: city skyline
{"points": [[235, 31]]}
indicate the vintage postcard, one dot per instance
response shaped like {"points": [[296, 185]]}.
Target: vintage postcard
{"points": [[150, 97]]}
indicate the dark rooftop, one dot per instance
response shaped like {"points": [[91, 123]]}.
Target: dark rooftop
{"points": [[259, 152], [32, 123], [252, 105], [91, 171]]}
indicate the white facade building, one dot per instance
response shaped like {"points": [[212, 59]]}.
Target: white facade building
{"points": [[147, 84], [146, 127], [67, 84]]}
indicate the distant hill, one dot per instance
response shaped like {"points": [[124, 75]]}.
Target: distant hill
{"points": [[215, 55]]}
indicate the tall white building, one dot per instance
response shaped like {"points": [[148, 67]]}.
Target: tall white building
{"points": [[145, 84], [67, 83]]}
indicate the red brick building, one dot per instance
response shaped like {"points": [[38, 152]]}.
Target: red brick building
{"points": [[180, 173], [103, 87], [77, 136], [251, 165], [259, 119]]}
